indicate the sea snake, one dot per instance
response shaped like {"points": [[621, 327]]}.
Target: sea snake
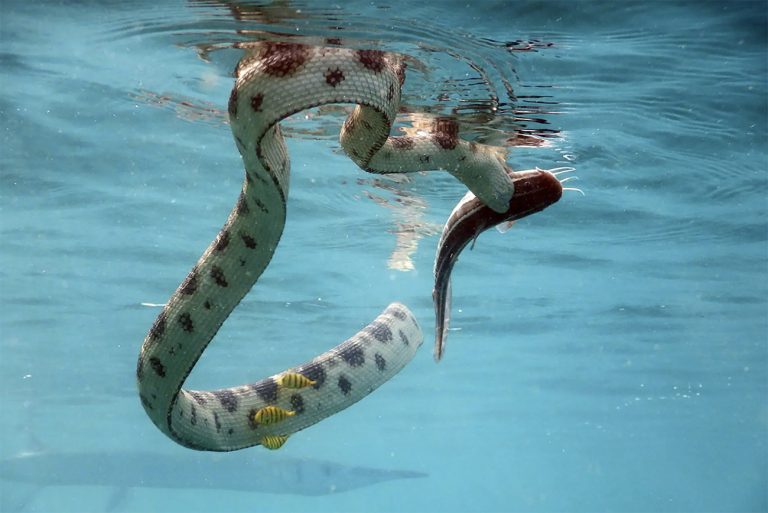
{"points": [[275, 80]]}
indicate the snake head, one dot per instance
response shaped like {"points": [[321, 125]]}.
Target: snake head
{"points": [[534, 190]]}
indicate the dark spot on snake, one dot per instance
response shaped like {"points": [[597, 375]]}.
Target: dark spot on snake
{"points": [[297, 402], [199, 398], [267, 390], [315, 372], [261, 205], [242, 262], [146, 402], [222, 240], [372, 59], [249, 241], [193, 416], [228, 399], [232, 105], [344, 385], [403, 337], [382, 333], [399, 313], [402, 142], [240, 145], [381, 363], [367, 125], [157, 366], [158, 327], [218, 276], [335, 41], [462, 158], [185, 320], [333, 77], [256, 101], [424, 159], [189, 285], [283, 59], [216, 422], [242, 205], [230, 431], [140, 367], [391, 92], [353, 355], [446, 133], [207, 305]]}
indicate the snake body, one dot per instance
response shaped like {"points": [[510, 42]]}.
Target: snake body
{"points": [[273, 81]]}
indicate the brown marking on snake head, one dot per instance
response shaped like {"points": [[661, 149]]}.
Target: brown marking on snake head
{"points": [[445, 133], [402, 142], [189, 285], [334, 77], [256, 101], [158, 327], [249, 241], [283, 59], [372, 59], [218, 276], [232, 105], [222, 241], [157, 366], [400, 71], [185, 320]]}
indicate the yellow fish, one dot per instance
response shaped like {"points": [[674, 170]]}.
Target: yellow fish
{"points": [[294, 380], [271, 415], [273, 442]]}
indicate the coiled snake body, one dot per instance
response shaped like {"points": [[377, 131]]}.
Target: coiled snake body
{"points": [[275, 80]]}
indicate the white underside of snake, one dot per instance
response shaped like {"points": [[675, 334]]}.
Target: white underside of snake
{"points": [[275, 80]]}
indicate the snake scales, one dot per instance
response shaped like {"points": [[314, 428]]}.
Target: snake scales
{"points": [[273, 81]]}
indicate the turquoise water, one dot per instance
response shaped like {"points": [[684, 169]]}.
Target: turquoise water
{"points": [[608, 354]]}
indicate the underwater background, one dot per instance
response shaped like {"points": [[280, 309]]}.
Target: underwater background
{"points": [[607, 354]]}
